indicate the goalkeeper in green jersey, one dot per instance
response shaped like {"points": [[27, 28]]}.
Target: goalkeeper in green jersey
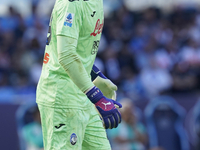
{"points": [[68, 100]]}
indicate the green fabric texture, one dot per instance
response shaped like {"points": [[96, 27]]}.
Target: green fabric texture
{"points": [[86, 124]]}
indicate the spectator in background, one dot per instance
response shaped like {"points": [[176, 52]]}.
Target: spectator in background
{"points": [[128, 83], [32, 132], [130, 134], [112, 64], [155, 79]]}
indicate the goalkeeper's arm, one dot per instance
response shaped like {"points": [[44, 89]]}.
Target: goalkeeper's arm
{"points": [[72, 64], [68, 58]]}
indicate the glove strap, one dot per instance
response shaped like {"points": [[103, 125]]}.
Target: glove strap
{"points": [[94, 95], [96, 72]]}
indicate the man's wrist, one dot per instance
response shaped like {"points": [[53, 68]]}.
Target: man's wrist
{"points": [[89, 89], [94, 95]]}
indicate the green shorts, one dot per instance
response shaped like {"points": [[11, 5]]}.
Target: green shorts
{"points": [[72, 129]]}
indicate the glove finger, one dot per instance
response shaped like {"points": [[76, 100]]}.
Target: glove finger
{"points": [[112, 122], [119, 116], [117, 103], [112, 85], [114, 95], [116, 119], [106, 122]]}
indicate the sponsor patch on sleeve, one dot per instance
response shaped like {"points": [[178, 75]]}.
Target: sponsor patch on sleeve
{"points": [[69, 19]]}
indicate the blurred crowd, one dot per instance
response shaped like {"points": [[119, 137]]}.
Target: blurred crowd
{"points": [[145, 53], [22, 44], [151, 52]]}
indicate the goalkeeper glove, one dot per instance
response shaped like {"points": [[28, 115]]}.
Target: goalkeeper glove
{"points": [[109, 113], [104, 84]]}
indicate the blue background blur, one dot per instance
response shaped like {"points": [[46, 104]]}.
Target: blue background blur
{"points": [[147, 48]]}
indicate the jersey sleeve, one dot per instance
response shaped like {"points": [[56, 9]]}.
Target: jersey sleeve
{"points": [[69, 18], [72, 64]]}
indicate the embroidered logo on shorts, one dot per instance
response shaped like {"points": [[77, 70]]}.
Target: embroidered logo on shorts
{"points": [[69, 19], [73, 139]]}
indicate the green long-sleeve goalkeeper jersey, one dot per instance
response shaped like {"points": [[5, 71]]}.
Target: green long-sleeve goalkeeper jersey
{"points": [[79, 20]]}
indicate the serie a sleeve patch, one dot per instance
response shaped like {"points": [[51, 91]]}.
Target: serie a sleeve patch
{"points": [[69, 19]]}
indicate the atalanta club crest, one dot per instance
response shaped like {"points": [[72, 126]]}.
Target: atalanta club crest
{"points": [[73, 139]]}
